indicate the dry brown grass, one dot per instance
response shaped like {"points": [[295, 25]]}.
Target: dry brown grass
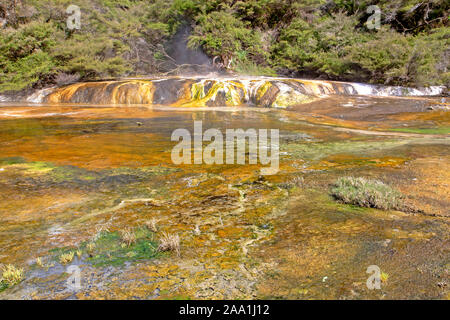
{"points": [[152, 225], [169, 242], [127, 236]]}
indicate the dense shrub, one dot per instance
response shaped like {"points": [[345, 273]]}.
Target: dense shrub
{"points": [[24, 54], [322, 46], [320, 38], [222, 34], [405, 59], [116, 38]]}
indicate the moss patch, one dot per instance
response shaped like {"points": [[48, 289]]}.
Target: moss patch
{"points": [[438, 130], [111, 250], [108, 248]]}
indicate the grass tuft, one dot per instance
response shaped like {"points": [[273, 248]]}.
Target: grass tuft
{"points": [[66, 257], [128, 237], [169, 242], [90, 248], [367, 193], [39, 262], [152, 225], [11, 276]]}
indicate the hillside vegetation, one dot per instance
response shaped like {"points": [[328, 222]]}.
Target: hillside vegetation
{"points": [[304, 38]]}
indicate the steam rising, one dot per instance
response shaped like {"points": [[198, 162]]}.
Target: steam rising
{"points": [[194, 59]]}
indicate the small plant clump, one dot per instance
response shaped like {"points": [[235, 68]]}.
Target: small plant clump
{"points": [[66, 257], [367, 193], [128, 237], [90, 248], [384, 277], [152, 225], [11, 275], [169, 242], [39, 262]]}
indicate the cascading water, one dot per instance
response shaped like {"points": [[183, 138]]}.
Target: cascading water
{"points": [[203, 92]]}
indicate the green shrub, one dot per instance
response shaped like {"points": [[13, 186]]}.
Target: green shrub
{"points": [[322, 46], [337, 47], [222, 34], [255, 37], [252, 69], [385, 57], [105, 46], [24, 56], [405, 59]]}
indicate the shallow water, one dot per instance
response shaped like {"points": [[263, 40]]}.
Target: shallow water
{"points": [[67, 171]]}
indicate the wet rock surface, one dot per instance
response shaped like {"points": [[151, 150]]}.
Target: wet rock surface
{"points": [[71, 173], [262, 92]]}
